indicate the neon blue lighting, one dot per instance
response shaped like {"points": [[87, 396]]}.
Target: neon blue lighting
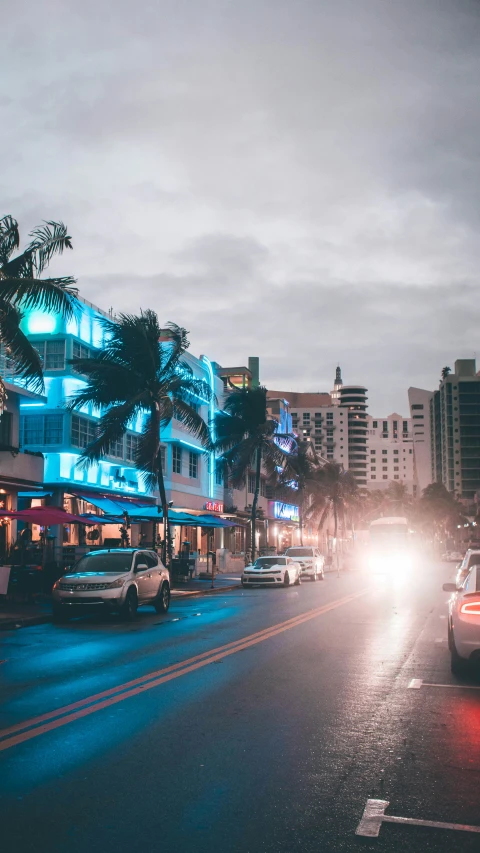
{"points": [[40, 323], [211, 425], [289, 512], [31, 405], [187, 444]]}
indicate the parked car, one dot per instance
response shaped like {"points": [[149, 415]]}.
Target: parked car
{"points": [[272, 570], [464, 621], [312, 562], [117, 579], [472, 556]]}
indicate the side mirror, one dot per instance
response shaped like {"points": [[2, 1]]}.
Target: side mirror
{"points": [[449, 587], [141, 567]]}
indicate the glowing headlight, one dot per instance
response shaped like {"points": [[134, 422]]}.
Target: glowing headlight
{"points": [[115, 584]]}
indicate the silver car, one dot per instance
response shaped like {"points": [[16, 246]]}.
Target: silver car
{"points": [[115, 580], [311, 561]]}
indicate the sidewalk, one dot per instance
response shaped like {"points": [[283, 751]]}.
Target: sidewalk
{"points": [[17, 615]]}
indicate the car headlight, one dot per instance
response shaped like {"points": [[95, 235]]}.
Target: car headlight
{"points": [[115, 584]]}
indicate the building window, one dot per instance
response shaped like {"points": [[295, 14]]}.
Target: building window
{"points": [[177, 459], [410, 451], [373, 452], [81, 351], [396, 468], [395, 452], [385, 477], [306, 417], [193, 465], [405, 427], [396, 477], [384, 452], [417, 418], [373, 468], [52, 354], [42, 429], [84, 431], [395, 426], [385, 468], [375, 425], [417, 406], [251, 484], [115, 448], [132, 445], [373, 477]]}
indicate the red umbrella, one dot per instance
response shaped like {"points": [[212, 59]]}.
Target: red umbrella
{"points": [[47, 515]]}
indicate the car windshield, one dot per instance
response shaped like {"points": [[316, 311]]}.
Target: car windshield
{"points": [[300, 552], [111, 561], [473, 560], [269, 561]]}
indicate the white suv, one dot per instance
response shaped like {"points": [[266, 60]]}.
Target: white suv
{"points": [[117, 579], [311, 559]]}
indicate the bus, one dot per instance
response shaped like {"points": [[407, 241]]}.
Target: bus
{"points": [[389, 543]]}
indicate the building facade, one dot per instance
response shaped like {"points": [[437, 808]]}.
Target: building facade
{"points": [[391, 453], [455, 431], [419, 401]]}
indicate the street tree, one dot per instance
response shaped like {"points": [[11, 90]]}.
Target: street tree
{"points": [[247, 440], [446, 371], [22, 289], [140, 371], [298, 478], [333, 494]]}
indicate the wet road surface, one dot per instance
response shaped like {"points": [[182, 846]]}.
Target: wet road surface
{"points": [[256, 720]]}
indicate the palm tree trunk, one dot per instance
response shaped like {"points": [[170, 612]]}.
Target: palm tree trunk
{"points": [[335, 529], [300, 518], [164, 505], [258, 468]]}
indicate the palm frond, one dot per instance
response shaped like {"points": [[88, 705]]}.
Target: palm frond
{"points": [[9, 237], [49, 239], [112, 426], [193, 422], [149, 450], [53, 295], [17, 346]]}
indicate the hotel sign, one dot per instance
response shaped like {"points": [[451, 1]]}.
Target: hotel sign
{"points": [[214, 506], [287, 512]]}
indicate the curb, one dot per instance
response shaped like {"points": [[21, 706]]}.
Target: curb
{"points": [[26, 621]]}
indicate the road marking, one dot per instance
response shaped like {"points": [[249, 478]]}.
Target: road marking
{"points": [[68, 713], [374, 815], [452, 686], [415, 684], [440, 640], [442, 616]]}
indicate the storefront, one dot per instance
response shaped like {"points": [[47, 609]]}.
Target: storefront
{"points": [[283, 526]]}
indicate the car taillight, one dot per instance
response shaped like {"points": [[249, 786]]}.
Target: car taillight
{"points": [[471, 608]]}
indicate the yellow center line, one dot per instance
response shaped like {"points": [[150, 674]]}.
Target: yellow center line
{"points": [[98, 701]]}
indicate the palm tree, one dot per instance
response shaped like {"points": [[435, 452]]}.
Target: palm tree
{"points": [[247, 438], [397, 498], [446, 372], [22, 289], [334, 491], [140, 371], [298, 476]]}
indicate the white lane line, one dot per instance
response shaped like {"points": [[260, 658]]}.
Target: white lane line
{"points": [[415, 684], [457, 686], [442, 616], [440, 640], [374, 815]]}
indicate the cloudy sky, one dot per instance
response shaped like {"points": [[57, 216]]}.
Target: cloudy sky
{"points": [[294, 179]]}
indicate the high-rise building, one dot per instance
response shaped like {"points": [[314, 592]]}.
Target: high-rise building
{"points": [[335, 423], [419, 401], [390, 453], [455, 430]]}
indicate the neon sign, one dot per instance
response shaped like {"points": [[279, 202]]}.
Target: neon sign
{"points": [[288, 512], [214, 506]]}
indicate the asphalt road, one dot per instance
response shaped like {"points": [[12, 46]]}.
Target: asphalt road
{"points": [[258, 720]]}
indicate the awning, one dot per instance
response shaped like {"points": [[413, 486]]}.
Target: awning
{"points": [[113, 505], [38, 494]]}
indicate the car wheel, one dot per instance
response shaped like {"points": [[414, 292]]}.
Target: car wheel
{"points": [[130, 605], [162, 603], [286, 579], [298, 581], [60, 614]]}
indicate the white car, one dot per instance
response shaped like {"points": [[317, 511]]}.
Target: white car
{"points": [[117, 579], [277, 571], [464, 621], [312, 562], [471, 558]]}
